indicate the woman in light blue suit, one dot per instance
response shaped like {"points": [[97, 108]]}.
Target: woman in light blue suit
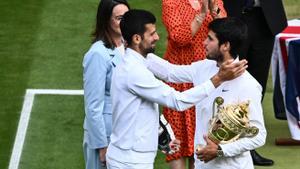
{"points": [[97, 69]]}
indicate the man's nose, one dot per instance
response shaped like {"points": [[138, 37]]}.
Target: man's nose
{"points": [[204, 42], [156, 37]]}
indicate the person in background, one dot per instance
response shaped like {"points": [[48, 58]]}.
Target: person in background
{"points": [[265, 19], [224, 40], [186, 23], [97, 70], [135, 93]]}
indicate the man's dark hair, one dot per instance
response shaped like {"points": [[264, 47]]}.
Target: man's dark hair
{"points": [[104, 14], [231, 30], [134, 21]]}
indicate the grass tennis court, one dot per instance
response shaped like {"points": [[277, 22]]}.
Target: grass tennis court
{"points": [[42, 43]]}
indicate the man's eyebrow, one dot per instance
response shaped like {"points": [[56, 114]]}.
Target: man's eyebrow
{"points": [[153, 32]]}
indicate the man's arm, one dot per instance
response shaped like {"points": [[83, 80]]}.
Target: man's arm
{"points": [[144, 84], [186, 73], [169, 72]]}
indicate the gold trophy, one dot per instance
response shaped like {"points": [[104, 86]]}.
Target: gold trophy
{"points": [[230, 122]]}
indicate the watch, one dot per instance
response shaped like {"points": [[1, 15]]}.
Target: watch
{"points": [[220, 152]]}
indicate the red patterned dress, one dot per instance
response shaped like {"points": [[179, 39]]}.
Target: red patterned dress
{"points": [[183, 49]]}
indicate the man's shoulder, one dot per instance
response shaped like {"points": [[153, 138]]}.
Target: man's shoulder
{"points": [[205, 68], [246, 79], [133, 69]]}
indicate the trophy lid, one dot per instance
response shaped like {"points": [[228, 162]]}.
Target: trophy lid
{"points": [[235, 116], [231, 122]]}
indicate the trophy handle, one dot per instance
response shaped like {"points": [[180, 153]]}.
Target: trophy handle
{"points": [[219, 101], [224, 136]]}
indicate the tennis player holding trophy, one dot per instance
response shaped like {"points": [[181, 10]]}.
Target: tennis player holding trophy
{"points": [[229, 122]]}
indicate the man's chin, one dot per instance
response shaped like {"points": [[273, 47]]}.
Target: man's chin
{"points": [[209, 57], [151, 50]]}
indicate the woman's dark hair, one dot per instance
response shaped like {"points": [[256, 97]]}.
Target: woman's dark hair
{"points": [[104, 13]]}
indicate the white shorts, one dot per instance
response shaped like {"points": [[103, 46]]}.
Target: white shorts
{"points": [[113, 164]]}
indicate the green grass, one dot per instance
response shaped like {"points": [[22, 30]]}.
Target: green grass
{"points": [[54, 135], [41, 46], [292, 8], [284, 157], [17, 29]]}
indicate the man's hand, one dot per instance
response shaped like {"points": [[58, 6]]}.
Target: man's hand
{"points": [[102, 154], [228, 71], [208, 152]]}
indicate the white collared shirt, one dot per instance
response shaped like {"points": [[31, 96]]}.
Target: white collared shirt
{"points": [[135, 92], [237, 90]]}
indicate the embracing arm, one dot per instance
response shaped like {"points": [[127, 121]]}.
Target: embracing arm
{"points": [[169, 72], [187, 73], [144, 84]]}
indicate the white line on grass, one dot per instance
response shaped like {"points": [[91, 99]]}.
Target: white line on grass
{"points": [[24, 120]]}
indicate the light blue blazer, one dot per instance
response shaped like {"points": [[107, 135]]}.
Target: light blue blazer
{"points": [[97, 71]]}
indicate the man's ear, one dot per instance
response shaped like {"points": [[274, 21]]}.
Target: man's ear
{"points": [[225, 47], [136, 39]]}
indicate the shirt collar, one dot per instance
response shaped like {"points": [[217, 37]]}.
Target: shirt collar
{"points": [[137, 56], [235, 60]]}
